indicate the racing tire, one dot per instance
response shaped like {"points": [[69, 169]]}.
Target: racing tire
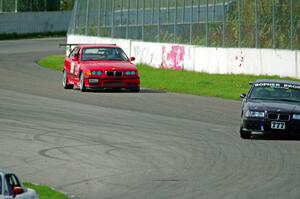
{"points": [[245, 134], [65, 81], [81, 84], [135, 90]]}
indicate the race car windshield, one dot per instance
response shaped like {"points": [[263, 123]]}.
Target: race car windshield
{"points": [[279, 93], [98, 54]]}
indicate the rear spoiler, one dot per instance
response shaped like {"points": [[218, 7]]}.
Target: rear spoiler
{"points": [[69, 45]]}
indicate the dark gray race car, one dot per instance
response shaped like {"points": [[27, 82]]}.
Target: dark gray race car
{"points": [[271, 106]]}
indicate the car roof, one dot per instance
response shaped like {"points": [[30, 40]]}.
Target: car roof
{"points": [[4, 172], [98, 46], [277, 81]]}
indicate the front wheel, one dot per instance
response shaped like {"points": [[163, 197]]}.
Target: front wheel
{"points": [[66, 85], [82, 85], [245, 134]]}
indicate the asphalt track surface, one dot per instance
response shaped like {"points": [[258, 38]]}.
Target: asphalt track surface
{"points": [[148, 145]]}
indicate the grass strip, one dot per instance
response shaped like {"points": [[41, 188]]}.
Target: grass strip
{"points": [[14, 36], [46, 192], [195, 83]]}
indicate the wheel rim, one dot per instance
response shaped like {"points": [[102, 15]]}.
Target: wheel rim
{"points": [[81, 82], [65, 79]]}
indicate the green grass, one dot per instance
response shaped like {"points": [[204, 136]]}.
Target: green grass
{"points": [[46, 192], [13, 36], [55, 62], [214, 85]]}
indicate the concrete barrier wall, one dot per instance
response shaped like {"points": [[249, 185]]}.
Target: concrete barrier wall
{"points": [[284, 63], [34, 22]]}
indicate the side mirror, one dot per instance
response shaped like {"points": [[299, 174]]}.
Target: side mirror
{"points": [[132, 58], [17, 191], [75, 58], [243, 95]]}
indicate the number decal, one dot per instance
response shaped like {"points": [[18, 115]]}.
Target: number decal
{"points": [[72, 67], [278, 125]]}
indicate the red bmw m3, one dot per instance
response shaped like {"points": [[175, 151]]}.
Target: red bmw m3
{"points": [[106, 66]]}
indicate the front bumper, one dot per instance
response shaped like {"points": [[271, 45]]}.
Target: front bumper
{"points": [[112, 83], [263, 125]]}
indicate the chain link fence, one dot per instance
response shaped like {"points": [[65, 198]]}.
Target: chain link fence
{"points": [[35, 5], [212, 23]]}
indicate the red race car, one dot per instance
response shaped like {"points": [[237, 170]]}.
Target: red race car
{"points": [[100, 66]]}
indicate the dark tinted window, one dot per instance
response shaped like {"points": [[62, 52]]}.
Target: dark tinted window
{"points": [[275, 93], [12, 181], [74, 52], [90, 54]]}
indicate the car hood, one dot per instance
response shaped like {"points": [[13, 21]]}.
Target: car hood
{"points": [[263, 105], [109, 65]]}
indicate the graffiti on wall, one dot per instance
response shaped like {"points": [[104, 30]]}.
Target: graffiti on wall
{"points": [[240, 59], [173, 57], [143, 54]]}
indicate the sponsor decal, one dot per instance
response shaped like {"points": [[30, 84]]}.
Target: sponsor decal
{"points": [[72, 67], [277, 85]]}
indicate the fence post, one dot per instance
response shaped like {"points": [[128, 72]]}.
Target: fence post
{"points": [[137, 13], [16, 5], [183, 12], [99, 15], [158, 21], [292, 25], [143, 22], [257, 29], [122, 13], [191, 22], [152, 17], [112, 18], [224, 24], [87, 17], [45, 5], [175, 21], [206, 32], [273, 24], [199, 7], [168, 13], [239, 23], [128, 16], [105, 12]]}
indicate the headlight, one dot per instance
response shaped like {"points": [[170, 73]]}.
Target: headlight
{"points": [[255, 114], [96, 73], [130, 73], [296, 116]]}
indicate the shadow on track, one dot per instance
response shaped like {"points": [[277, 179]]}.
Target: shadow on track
{"points": [[144, 90], [276, 137]]}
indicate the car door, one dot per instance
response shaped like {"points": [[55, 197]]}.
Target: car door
{"points": [[76, 66], [71, 62]]}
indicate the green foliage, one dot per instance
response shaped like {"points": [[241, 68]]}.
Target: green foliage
{"points": [[36, 5], [66, 4], [46, 192], [14, 36]]}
